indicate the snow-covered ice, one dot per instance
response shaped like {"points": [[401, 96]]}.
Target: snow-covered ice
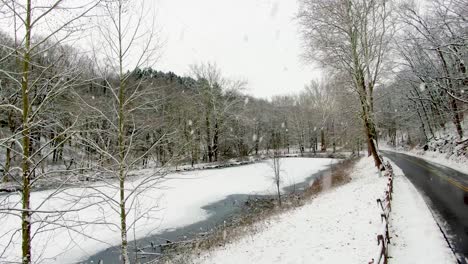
{"points": [[179, 199]]}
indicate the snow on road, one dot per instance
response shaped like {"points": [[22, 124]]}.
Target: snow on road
{"points": [[338, 226], [179, 199], [416, 238]]}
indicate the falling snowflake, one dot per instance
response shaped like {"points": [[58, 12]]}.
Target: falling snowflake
{"points": [[274, 9], [277, 34], [422, 87]]}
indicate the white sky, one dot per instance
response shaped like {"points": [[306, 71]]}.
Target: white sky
{"points": [[256, 40]]}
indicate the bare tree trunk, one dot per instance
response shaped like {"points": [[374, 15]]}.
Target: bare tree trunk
{"points": [[456, 118], [323, 144], [423, 128], [279, 192], [257, 140], [366, 100], [123, 222], [215, 141], [368, 122], [277, 171], [333, 136], [371, 143], [208, 138], [6, 168], [121, 140], [26, 214]]}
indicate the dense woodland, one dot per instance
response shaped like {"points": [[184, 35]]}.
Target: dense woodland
{"points": [[192, 119], [427, 93], [390, 70]]}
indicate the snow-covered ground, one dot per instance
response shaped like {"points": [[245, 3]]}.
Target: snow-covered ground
{"points": [[176, 201], [340, 226], [416, 238]]}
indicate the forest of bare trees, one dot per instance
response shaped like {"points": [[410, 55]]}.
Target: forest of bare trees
{"points": [[404, 61], [70, 115], [428, 92]]}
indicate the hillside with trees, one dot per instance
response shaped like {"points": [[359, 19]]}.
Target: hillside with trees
{"points": [[73, 115]]}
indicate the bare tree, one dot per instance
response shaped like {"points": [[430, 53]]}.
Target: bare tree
{"points": [[38, 79], [434, 49], [276, 164], [351, 36], [125, 44], [218, 96]]}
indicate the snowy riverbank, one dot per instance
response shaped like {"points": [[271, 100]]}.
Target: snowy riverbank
{"points": [[176, 201], [340, 225]]}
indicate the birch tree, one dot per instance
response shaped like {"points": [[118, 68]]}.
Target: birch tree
{"points": [[36, 87], [126, 42]]}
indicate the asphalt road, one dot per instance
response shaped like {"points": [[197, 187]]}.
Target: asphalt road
{"points": [[446, 191]]}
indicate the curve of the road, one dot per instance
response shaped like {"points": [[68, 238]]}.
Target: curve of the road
{"points": [[446, 191]]}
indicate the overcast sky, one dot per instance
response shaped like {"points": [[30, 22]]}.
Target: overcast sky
{"points": [[256, 40]]}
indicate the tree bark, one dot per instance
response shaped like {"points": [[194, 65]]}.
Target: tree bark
{"points": [[371, 141], [323, 144], [215, 141], [456, 118], [208, 138], [121, 143], [26, 213]]}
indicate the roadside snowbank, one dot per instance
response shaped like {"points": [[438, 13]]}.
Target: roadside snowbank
{"points": [[176, 201], [439, 158], [443, 149], [338, 226], [416, 238]]}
